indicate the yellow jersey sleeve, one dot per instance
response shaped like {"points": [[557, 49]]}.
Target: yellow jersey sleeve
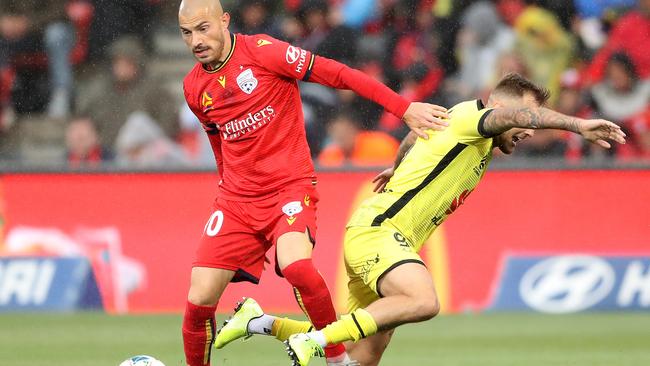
{"points": [[467, 120]]}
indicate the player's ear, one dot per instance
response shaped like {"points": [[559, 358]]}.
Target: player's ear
{"points": [[225, 20]]}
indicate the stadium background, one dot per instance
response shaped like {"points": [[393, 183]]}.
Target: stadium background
{"points": [[106, 182]]}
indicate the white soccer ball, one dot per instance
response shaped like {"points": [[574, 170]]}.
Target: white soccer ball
{"points": [[142, 360]]}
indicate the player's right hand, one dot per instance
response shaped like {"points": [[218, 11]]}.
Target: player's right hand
{"points": [[382, 179], [600, 130], [423, 116]]}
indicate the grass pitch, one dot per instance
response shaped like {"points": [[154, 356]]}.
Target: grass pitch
{"points": [[91, 339]]}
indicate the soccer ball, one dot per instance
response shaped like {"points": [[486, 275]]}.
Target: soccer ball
{"points": [[142, 360]]}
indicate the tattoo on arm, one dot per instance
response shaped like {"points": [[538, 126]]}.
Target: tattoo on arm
{"points": [[503, 119], [404, 147]]}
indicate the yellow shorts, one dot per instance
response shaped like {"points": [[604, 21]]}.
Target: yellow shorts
{"points": [[370, 253]]}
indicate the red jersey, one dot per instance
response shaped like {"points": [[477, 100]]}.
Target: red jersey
{"points": [[251, 109]]}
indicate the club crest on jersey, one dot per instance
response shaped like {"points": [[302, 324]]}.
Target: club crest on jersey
{"points": [[246, 81], [291, 209], [206, 102]]}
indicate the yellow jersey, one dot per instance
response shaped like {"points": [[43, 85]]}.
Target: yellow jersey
{"points": [[433, 179]]}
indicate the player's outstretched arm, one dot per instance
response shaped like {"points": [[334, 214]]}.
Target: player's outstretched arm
{"points": [[594, 130], [418, 116]]}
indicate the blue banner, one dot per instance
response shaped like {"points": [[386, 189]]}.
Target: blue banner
{"points": [[573, 283], [47, 284]]}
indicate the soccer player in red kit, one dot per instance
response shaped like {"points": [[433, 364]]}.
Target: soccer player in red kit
{"points": [[244, 91]]}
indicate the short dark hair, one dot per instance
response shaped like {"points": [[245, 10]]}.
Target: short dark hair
{"points": [[516, 85], [624, 60]]}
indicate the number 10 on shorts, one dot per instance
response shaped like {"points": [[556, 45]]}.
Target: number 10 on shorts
{"points": [[214, 224]]}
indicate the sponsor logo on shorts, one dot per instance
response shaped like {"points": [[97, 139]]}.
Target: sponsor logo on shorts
{"points": [[307, 200], [365, 268], [252, 121], [247, 81], [291, 209]]}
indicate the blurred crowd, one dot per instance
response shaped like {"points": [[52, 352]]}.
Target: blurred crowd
{"points": [[592, 55]]}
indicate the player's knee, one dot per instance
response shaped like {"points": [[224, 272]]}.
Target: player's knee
{"points": [[425, 308], [202, 296]]}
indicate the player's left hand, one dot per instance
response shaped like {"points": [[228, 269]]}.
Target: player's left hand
{"points": [[600, 130], [423, 116], [382, 179]]}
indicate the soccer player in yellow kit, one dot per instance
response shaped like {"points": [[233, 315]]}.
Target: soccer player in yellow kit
{"points": [[388, 282]]}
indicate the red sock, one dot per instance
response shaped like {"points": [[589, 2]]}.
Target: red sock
{"points": [[314, 297], [198, 333]]}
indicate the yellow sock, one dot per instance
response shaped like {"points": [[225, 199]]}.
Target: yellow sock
{"points": [[283, 328], [352, 327]]}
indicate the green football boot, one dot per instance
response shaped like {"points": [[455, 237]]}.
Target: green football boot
{"points": [[237, 326], [301, 349]]}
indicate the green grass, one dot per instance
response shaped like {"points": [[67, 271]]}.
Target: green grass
{"points": [[488, 339]]}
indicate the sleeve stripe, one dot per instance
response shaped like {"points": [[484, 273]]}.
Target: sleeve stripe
{"points": [[481, 121], [308, 72]]}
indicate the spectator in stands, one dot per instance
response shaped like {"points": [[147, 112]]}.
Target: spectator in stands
{"points": [[565, 11], [417, 43], [116, 19], [412, 46], [596, 9], [316, 30], [590, 27], [630, 34], [415, 85], [141, 143], [323, 36], [544, 46], [572, 101], [31, 26], [254, 17], [509, 10], [82, 144], [129, 88], [482, 41], [349, 145], [621, 95], [357, 13]]}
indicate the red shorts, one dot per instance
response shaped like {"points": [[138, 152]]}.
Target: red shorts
{"points": [[238, 234]]}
